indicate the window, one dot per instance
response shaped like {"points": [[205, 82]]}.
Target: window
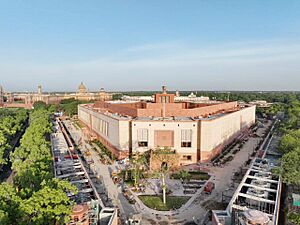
{"points": [[143, 144], [100, 126], [164, 99], [187, 157], [186, 138], [186, 144], [142, 137]]}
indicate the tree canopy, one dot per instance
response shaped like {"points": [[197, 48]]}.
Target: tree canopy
{"points": [[70, 106], [11, 122], [290, 145], [35, 197]]}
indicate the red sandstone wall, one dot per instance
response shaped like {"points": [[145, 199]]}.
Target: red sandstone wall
{"points": [[123, 109], [18, 105], [178, 109], [164, 138], [143, 109]]}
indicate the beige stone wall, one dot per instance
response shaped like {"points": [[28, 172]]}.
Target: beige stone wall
{"points": [[116, 132], [213, 133], [175, 126], [208, 137]]}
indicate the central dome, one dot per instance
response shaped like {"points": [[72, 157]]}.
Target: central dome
{"points": [[82, 88]]}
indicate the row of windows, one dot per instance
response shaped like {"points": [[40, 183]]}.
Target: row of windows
{"points": [[100, 125]]}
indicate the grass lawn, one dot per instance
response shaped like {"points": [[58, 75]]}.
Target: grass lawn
{"points": [[194, 175], [199, 175], [155, 202]]}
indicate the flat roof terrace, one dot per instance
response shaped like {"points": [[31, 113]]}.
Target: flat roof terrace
{"points": [[177, 111]]}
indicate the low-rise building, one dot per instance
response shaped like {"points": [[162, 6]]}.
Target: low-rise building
{"points": [[261, 103], [177, 98]]}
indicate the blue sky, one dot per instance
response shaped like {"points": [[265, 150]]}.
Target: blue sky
{"points": [[141, 45]]}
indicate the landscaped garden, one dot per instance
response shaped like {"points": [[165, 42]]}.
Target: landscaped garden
{"points": [[190, 175], [106, 155], [156, 202]]}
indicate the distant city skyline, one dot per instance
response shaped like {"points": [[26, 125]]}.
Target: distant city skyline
{"points": [[141, 45]]}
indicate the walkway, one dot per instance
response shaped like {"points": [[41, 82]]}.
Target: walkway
{"points": [[114, 192]]}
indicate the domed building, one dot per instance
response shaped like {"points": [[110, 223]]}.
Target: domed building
{"points": [[26, 100], [84, 95], [82, 89]]}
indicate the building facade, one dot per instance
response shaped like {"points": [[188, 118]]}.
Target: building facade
{"points": [[198, 132], [177, 98], [27, 100]]}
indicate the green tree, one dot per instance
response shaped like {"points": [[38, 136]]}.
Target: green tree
{"points": [[290, 167], [11, 122], [70, 106], [50, 204], [294, 218], [39, 105], [167, 159], [35, 197], [290, 141], [11, 205], [138, 163]]}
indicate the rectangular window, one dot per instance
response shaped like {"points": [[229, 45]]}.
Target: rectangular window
{"points": [[142, 137], [143, 144], [186, 138], [102, 127], [168, 99], [187, 157], [186, 144]]}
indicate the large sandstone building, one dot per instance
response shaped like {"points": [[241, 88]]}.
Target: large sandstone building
{"points": [[197, 131], [27, 100]]}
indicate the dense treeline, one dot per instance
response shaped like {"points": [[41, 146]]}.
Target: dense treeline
{"points": [[42, 105], [70, 106], [11, 122], [290, 147], [35, 197]]}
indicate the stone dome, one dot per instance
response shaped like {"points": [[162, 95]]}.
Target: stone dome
{"points": [[82, 88]]}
